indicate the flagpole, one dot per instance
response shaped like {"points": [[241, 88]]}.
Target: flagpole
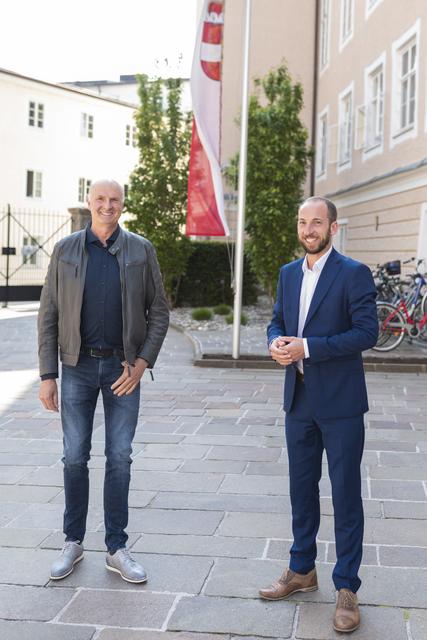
{"points": [[238, 263]]}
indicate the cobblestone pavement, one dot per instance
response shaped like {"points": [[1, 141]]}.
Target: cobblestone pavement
{"points": [[209, 514]]}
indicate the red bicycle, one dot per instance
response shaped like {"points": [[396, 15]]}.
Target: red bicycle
{"points": [[403, 318]]}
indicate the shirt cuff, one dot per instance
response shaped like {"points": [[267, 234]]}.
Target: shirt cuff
{"points": [[306, 351], [49, 376]]}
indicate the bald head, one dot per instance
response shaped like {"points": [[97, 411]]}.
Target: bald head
{"points": [[106, 183]]}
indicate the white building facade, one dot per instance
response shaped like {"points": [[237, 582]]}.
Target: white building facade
{"points": [[56, 139]]}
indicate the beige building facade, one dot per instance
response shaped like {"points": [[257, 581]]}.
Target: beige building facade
{"points": [[363, 68], [371, 125]]}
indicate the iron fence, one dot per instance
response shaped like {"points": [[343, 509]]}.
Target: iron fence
{"points": [[27, 239]]}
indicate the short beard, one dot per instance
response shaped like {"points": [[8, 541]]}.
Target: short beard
{"points": [[322, 244]]}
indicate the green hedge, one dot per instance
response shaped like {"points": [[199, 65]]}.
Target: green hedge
{"points": [[207, 280]]}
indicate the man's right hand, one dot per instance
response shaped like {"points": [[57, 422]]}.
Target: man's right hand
{"points": [[48, 394], [279, 352]]}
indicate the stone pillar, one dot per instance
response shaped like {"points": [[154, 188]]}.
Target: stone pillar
{"points": [[80, 217]]}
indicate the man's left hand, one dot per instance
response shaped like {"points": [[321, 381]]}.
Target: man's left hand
{"points": [[130, 377], [294, 348]]}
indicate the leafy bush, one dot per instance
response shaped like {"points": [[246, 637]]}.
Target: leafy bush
{"points": [[202, 314], [222, 309], [207, 279], [243, 319]]}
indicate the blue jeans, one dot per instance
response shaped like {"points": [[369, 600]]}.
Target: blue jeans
{"points": [[80, 387]]}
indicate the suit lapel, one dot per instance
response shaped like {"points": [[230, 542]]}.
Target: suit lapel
{"points": [[294, 293], [328, 275]]}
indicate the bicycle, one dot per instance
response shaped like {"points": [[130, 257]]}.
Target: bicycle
{"points": [[407, 317]]}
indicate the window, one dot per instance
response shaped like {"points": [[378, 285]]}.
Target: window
{"points": [[408, 78], [322, 144], [86, 125], [340, 239], [34, 184], [345, 126], [375, 107], [346, 30], [130, 135], [84, 185], [30, 252], [324, 34], [36, 114], [404, 93]]}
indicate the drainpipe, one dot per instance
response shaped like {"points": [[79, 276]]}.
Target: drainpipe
{"points": [[315, 81]]}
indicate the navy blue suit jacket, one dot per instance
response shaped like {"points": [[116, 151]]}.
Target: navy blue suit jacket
{"points": [[341, 323]]}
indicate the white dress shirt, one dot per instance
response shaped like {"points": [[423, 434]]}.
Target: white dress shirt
{"points": [[308, 286]]}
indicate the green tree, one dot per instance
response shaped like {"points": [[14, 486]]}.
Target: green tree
{"points": [[157, 197], [278, 158]]}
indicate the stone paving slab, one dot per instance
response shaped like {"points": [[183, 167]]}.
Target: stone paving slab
{"points": [[44, 631], [118, 608], [225, 502], [168, 573], [393, 587], [238, 578], [377, 623], [210, 546], [233, 615], [418, 624], [32, 603], [26, 566], [11, 537], [170, 521], [127, 634], [406, 510]]}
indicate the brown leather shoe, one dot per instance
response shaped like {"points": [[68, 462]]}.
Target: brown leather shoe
{"points": [[347, 614], [289, 583]]}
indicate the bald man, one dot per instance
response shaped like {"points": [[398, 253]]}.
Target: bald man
{"points": [[103, 306]]}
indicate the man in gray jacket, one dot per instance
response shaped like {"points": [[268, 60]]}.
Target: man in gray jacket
{"points": [[104, 307]]}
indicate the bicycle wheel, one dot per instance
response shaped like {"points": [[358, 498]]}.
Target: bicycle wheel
{"points": [[424, 304], [391, 325]]}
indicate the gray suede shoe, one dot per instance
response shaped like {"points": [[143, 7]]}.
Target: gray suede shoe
{"points": [[123, 563], [72, 552]]}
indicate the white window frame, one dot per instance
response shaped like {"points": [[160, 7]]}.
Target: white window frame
{"points": [[374, 147], [340, 238], [325, 35], [35, 114], [86, 125], [84, 184], [346, 22], [37, 185], [348, 92], [370, 7], [322, 145], [410, 37]]}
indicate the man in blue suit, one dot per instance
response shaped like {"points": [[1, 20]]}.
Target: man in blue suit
{"points": [[324, 317]]}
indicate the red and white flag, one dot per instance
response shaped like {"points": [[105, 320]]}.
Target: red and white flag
{"points": [[205, 211]]}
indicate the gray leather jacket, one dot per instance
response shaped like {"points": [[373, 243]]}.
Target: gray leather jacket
{"points": [[144, 305]]}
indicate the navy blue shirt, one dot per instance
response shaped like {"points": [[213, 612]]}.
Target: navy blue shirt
{"points": [[101, 325]]}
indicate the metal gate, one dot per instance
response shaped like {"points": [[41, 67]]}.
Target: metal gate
{"points": [[27, 239]]}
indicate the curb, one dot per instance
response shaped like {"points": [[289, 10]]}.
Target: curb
{"points": [[390, 364]]}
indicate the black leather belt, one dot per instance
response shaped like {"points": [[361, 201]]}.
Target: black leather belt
{"points": [[300, 376], [102, 353]]}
